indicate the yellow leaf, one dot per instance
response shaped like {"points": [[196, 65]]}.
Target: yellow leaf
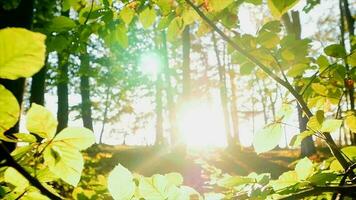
{"points": [[9, 109], [22, 53], [41, 121]]}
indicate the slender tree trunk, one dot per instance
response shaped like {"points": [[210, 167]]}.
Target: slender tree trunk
{"points": [[169, 91], [186, 64], [105, 114], [38, 87], [159, 112], [293, 26], [234, 110], [20, 17], [85, 91], [62, 92], [223, 94]]}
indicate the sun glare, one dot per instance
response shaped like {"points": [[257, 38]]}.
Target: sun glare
{"points": [[150, 63], [202, 125]]}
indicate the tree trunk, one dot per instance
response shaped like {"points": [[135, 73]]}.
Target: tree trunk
{"points": [[20, 17], [62, 92], [85, 91], [234, 110], [159, 112], [169, 91], [223, 95], [105, 114], [293, 27], [38, 87], [186, 64]]}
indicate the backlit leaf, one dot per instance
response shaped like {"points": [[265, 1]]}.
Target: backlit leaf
{"points": [[147, 17], [335, 50], [304, 168], [127, 14], [267, 138], [22, 53], [120, 183], [331, 125], [41, 121], [9, 109], [78, 138], [279, 7]]}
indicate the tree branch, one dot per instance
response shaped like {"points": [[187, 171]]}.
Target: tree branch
{"points": [[12, 163], [348, 190]]}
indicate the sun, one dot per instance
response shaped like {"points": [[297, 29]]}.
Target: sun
{"points": [[202, 124]]}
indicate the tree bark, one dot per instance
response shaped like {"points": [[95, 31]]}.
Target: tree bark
{"points": [[38, 87], [234, 110], [223, 94], [294, 27], [186, 64], [159, 112], [169, 91], [19, 17], [62, 92], [85, 91]]}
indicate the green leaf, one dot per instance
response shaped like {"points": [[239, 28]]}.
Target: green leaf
{"points": [[41, 121], [267, 39], [233, 181], [16, 179], [279, 7], [9, 109], [174, 178], [22, 53], [64, 161], [296, 141], [61, 23], [175, 28], [351, 59], [304, 168], [287, 179], [218, 5], [272, 26], [267, 138], [25, 137], [350, 152], [127, 14], [156, 187], [323, 62], [254, 2], [350, 121], [121, 36], [315, 122], [335, 50], [322, 178], [189, 15], [120, 183], [319, 89], [331, 125], [147, 17], [79, 138]]}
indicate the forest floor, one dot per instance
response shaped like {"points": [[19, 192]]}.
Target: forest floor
{"points": [[150, 160]]}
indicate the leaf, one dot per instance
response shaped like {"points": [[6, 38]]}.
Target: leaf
{"points": [[350, 121], [315, 122], [121, 36], [296, 141], [65, 162], [267, 138], [155, 187], [22, 53], [16, 179], [127, 14], [218, 5], [351, 59], [350, 152], [120, 183], [61, 23], [335, 50], [25, 137], [322, 178], [232, 181], [175, 28], [267, 39], [41, 121], [279, 7], [287, 179], [319, 89], [79, 138], [331, 125], [174, 178], [9, 109], [147, 17], [304, 168]]}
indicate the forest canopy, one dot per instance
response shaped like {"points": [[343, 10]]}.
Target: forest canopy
{"points": [[177, 99]]}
